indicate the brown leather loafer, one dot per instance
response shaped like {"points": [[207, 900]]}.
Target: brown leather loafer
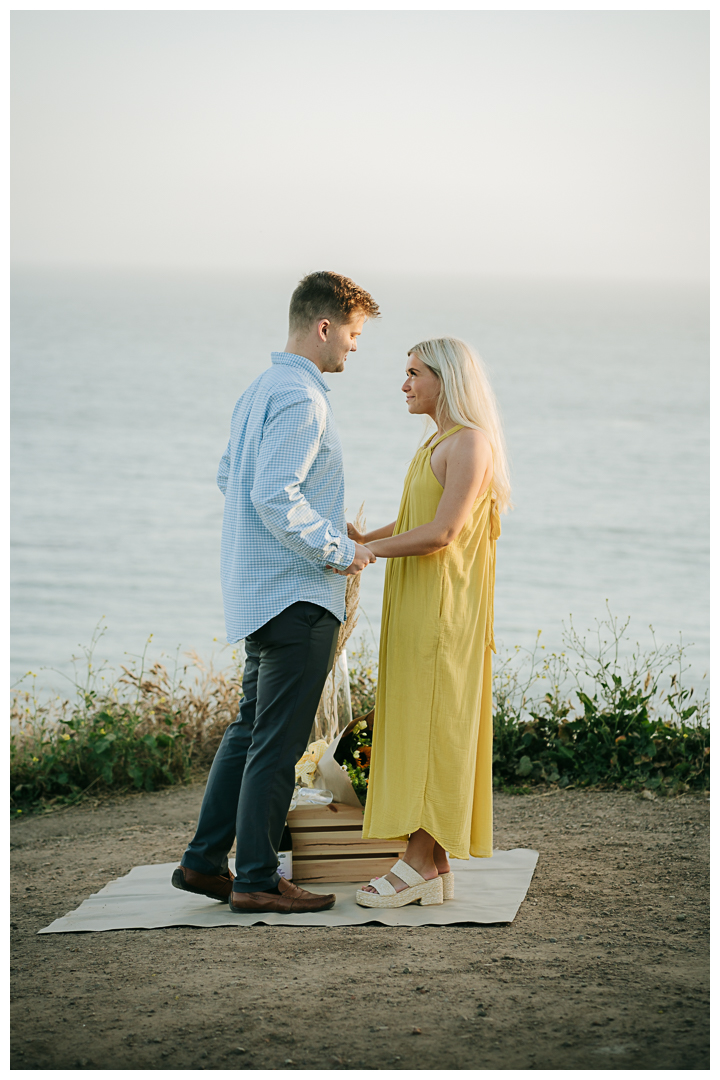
{"points": [[291, 900], [216, 887]]}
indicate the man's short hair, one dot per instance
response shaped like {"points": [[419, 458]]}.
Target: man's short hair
{"points": [[327, 295]]}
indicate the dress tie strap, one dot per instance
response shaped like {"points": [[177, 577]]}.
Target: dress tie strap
{"points": [[495, 528], [431, 445], [495, 531]]}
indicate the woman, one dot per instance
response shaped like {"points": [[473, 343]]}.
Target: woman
{"points": [[431, 765]]}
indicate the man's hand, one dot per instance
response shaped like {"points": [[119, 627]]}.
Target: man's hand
{"points": [[354, 534], [363, 556]]}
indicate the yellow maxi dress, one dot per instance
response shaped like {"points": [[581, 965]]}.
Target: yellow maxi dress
{"points": [[431, 763]]}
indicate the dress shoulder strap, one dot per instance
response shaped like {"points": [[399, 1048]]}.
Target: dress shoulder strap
{"points": [[437, 442]]}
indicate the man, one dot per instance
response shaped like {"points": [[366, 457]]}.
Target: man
{"points": [[285, 552]]}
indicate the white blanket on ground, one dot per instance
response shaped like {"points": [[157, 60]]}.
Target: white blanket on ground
{"points": [[486, 891]]}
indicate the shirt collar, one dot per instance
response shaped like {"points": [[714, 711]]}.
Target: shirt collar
{"points": [[293, 360]]}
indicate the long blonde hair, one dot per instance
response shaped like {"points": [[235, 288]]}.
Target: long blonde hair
{"points": [[466, 398]]}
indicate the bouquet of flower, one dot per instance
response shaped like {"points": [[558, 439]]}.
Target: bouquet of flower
{"points": [[349, 760], [353, 753]]}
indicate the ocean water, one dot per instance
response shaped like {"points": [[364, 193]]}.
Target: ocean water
{"points": [[122, 389]]}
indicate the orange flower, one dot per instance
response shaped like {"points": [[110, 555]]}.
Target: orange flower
{"points": [[364, 753]]}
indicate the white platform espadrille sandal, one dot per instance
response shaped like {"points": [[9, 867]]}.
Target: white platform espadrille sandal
{"points": [[418, 889], [448, 884]]}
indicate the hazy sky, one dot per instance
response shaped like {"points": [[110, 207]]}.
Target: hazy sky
{"points": [[513, 143]]}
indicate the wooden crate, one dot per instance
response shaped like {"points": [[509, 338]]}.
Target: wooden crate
{"points": [[328, 845]]}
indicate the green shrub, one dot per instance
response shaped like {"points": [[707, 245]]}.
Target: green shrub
{"points": [[106, 747], [600, 721], [578, 718], [145, 730]]}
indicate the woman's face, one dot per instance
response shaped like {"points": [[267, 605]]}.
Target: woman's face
{"points": [[421, 388]]}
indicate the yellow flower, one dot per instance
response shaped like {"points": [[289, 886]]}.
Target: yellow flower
{"points": [[305, 771], [66, 736], [36, 759], [102, 730], [317, 749], [307, 765]]}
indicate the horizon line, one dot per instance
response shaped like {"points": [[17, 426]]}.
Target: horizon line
{"points": [[185, 269]]}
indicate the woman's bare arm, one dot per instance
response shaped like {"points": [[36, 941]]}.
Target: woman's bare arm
{"points": [[468, 474]]}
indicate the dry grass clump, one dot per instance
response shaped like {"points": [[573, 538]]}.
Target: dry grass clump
{"points": [[204, 699], [327, 720], [352, 596]]}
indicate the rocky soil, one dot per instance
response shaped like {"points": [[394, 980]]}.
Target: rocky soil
{"points": [[605, 966]]}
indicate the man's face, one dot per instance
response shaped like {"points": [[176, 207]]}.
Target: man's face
{"points": [[341, 339]]}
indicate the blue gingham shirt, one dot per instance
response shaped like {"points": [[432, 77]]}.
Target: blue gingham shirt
{"points": [[282, 477]]}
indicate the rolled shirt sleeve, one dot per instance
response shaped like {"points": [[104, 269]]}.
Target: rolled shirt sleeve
{"points": [[289, 448]]}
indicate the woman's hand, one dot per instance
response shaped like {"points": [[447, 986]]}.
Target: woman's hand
{"points": [[353, 534]]}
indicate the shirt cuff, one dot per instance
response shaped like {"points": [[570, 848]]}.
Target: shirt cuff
{"points": [[343, 554]]}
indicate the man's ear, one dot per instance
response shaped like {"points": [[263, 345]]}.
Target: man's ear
{"points": [[322, 329]]}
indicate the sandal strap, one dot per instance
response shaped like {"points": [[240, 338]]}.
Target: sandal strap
{"points": [[406, 873], [382, 886]]}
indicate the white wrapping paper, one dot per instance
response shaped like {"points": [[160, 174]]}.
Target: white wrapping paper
{"points": [[333, 777]]}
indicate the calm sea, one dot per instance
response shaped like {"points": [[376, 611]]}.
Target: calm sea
{"points": [[123, 386]]}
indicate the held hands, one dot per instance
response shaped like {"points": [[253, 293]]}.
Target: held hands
{"points": [[363, 556]]}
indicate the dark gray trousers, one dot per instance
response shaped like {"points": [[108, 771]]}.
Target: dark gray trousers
{"points": [[253, 775]]}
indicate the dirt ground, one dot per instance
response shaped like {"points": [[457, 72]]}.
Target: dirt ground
{"points": [[605, 966]]}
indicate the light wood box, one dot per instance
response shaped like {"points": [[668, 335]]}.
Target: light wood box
{"points": [[328, 845]]}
